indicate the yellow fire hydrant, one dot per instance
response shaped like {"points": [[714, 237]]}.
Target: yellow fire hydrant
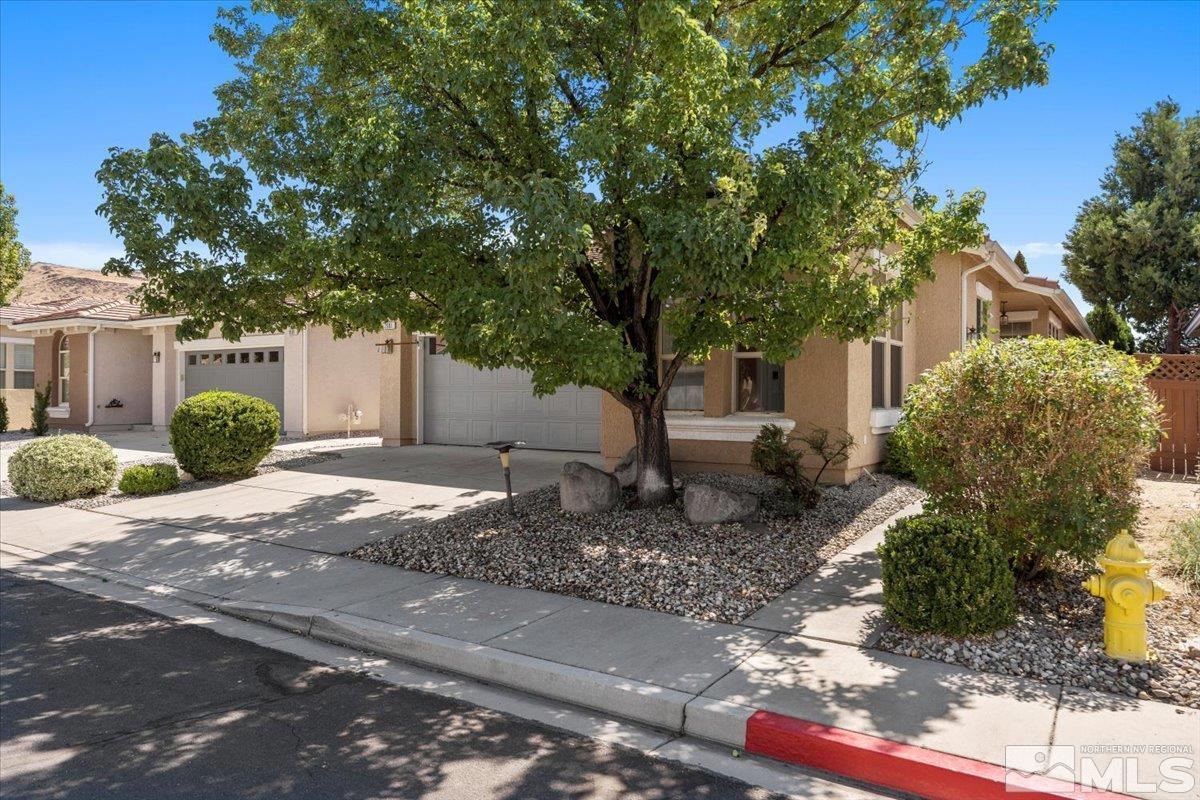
{"points": [[1127, 589]]}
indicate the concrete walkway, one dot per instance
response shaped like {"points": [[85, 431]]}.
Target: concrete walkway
{"points": [[265, 549]]}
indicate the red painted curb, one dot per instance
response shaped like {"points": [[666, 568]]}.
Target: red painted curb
{"points": [[906, 768]]}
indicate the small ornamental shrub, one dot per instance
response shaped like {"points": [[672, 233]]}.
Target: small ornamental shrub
{"points": [[946, 575], [39, 414], [62, 468], [3, 414], [1038, 439], [1184, 553], [896, 458], [149, 479], [223, 434], [772, 454]]}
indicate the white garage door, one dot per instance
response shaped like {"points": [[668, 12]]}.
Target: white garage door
{"points": [[465, 405], [257, 372]]}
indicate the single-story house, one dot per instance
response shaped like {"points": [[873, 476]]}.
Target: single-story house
{"points": [[717, 408], [45, 289], [111, 367]]}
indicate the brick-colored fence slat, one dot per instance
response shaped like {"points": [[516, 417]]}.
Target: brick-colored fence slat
{"points": [[1176, 381]]}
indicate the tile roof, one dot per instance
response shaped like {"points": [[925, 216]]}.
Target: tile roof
{"points": [[1047, 282]]}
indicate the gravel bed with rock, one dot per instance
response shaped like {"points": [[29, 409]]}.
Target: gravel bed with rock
{"points": [[273, 462], [1059, 638], [648, 558]]}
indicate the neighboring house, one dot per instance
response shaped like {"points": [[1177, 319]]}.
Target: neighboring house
{"points": [[717, 408], [1193, 327], [111, 367], [45, 289]]}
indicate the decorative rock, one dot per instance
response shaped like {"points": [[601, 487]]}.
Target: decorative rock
{"points": [[626, 469], [708, 505], [583, 489]]}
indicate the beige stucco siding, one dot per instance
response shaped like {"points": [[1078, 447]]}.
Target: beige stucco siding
{"points": [[18, 401], [937, 314], [123, 372], [341, 372]]}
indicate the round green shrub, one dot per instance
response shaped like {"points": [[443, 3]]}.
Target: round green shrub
{"points": [[149, 479], [946, 575], [1038, 439], [896, 457], [62, 468], [223, 434]]}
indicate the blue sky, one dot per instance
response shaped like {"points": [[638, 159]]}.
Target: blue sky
{"points": [[78, 78]]}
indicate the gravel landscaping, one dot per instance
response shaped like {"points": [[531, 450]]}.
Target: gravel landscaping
{"points": [[649, 559], [1059, 633], [273, 462], [1059, 638]]}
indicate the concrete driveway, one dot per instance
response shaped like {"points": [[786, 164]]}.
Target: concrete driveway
{"points": [[330, 507]]}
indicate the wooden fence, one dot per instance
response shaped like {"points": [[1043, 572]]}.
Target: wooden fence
{"points": [[1176, 381]]}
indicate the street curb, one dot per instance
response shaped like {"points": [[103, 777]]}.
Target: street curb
{"points": [[907, 768], [634, 700]]}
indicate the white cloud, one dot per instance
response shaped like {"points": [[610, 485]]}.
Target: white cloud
{"points": [[89, 255], [1034, 250]]}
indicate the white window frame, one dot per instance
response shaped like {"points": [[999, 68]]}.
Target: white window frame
{"points": [[664, 360], [897, 317], [62, 377], [1054, 327], [17, 369], [735, 389]]}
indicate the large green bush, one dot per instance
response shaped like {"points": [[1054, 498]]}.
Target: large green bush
{"points": [[1040, 440], [946, 575], [223, 434], [149, 478], [62, 468]]}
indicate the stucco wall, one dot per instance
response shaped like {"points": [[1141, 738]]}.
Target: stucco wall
{"points": [[937, 313], [340, 372], [397, 389], [123, 367], [44, 358], [18, 401]]}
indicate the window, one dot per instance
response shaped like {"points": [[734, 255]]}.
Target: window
{"points": [[757, 383], [273, 356], [1016, 330], [244, 358], [887, 364], [1055, 331], [3, 366], [64, 371], [258, 357], [687, 390], [22, 366], [230, 359], [191, 360]]}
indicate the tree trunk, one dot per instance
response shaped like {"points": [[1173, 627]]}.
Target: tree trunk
{"points": [[1174, 330], [655, 483]]}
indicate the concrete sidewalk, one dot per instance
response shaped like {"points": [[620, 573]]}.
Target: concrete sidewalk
{"points": [[806, 655]]}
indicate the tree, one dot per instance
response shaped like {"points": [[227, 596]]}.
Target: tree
{"points": [[544, 182], [1019, 260], [14, 258], [1110, 327], [1153, 338], [1137, 243]]}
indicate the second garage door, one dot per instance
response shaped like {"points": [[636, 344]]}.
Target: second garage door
{"points": [[257, 372], [465, 405]]}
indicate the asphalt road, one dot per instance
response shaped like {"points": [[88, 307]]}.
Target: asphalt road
{"points": [[102, 700]]}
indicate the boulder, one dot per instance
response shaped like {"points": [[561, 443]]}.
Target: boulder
{"points": [[708, 505], [583, 489], [626, 469]]}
